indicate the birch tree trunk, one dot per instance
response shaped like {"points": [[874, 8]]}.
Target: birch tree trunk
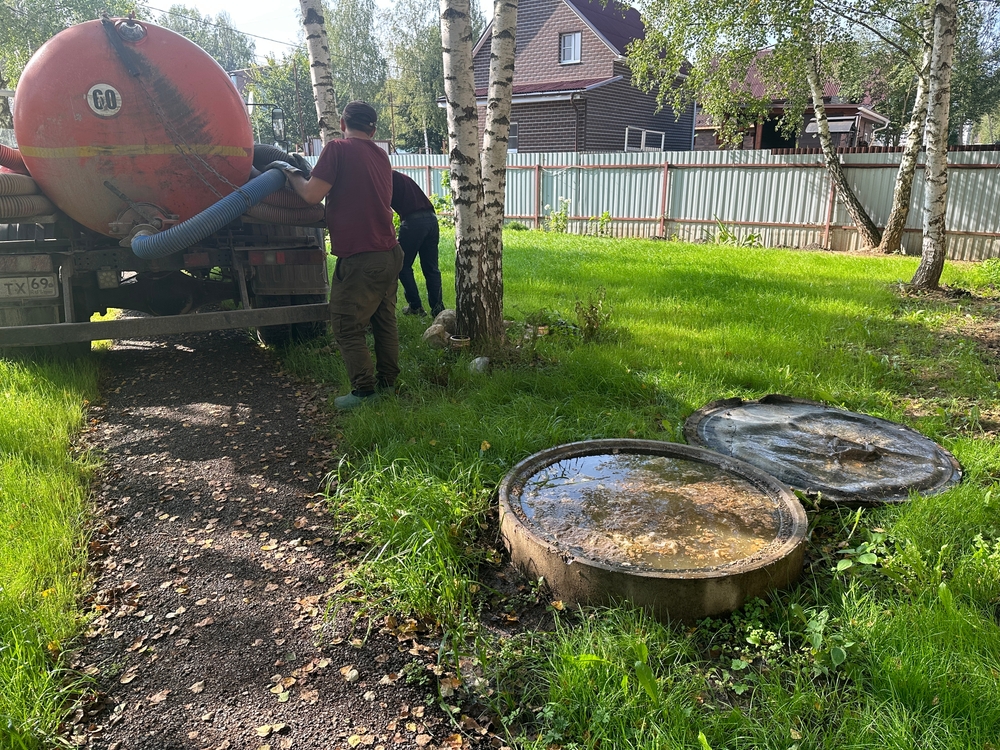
{"points": [[892, 236], [928, 273], [320, 71], [471, 292], [494, 162], [869, 233]]}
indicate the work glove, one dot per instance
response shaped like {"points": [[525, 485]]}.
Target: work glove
{"points": [[285, 167]]}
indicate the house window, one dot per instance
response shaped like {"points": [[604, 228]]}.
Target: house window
{"points": [[569, 48], [512, 138]]}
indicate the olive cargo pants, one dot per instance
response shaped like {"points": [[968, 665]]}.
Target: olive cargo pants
{"points": [[363, 291]]}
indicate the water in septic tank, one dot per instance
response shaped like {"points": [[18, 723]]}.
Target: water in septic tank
{"points": [[650, 512]]}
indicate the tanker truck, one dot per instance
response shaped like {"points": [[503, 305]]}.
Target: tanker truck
{"points": [[136, 185]]}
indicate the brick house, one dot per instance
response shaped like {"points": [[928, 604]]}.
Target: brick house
{"points": [[572, 86]]}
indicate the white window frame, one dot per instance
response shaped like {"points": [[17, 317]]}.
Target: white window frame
{"points": [[512, 139], [570, 48]]}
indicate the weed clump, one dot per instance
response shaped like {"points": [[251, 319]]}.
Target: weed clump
{"points": [[593, 315]]}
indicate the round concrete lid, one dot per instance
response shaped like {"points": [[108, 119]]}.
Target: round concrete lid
{"points": [[645, 522], [837, 455]]}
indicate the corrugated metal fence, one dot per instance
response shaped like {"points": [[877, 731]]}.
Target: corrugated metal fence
{"points": [[788, 200]]}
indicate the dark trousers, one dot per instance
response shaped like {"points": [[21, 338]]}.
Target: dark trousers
{"points": [[363, 291], [418, 235]]}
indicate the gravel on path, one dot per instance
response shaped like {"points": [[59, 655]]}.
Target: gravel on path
{"points": [[216, 564]]}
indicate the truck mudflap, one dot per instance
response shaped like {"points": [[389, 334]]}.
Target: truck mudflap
{"points": [[151, 327]]}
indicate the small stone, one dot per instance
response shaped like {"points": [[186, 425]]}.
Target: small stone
{"points": [[436, 336], [479, 364], [448, 319]]}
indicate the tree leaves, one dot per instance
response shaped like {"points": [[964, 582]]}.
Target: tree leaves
{"points": [[232, 49]]}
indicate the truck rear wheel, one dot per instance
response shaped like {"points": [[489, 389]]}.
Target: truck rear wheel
{"points": [[309, 331], [284, 335], [276, 336]]}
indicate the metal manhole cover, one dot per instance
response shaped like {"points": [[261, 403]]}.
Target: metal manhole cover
{"points": [[844, 456]]}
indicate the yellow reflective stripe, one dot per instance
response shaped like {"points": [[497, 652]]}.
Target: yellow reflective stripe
{"points": [[82, 152]]}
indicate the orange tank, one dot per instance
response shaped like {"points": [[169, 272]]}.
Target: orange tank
{"points": [[122, 122]]}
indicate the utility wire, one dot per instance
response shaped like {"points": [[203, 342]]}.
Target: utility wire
{"points": [[223, 26], [268, 39], [389, 65]]}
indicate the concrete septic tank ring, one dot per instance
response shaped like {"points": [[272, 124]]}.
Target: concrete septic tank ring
{"points": [[681, 531], [841, 456]]}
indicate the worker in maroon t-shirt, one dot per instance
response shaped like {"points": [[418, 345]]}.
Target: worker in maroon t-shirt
{"points": [[418, 235], [355, 177]]}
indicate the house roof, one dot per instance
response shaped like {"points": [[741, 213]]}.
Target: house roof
{"points": [[616, 23], [756, 87]]}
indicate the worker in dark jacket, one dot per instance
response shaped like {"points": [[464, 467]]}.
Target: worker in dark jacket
{"points": [[418, 235]]}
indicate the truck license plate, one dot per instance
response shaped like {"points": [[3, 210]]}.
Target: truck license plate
{"points": [[21, 287]]}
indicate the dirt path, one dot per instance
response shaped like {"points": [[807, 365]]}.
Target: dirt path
{"points": [[214, 566]]}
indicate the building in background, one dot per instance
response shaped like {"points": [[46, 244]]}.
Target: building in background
{"points": [[851, 124], [572, 87]]}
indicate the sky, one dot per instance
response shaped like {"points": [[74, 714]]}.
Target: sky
{"points": [[276, 20]]}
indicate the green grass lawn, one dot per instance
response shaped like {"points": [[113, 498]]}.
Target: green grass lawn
{"points": [[43, 507], [904, 653]]}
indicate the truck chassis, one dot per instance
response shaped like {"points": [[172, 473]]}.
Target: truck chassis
{"points": [[55, 274]]}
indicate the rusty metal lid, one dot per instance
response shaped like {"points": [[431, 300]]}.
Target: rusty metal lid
{"points": [[841, 456]]}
